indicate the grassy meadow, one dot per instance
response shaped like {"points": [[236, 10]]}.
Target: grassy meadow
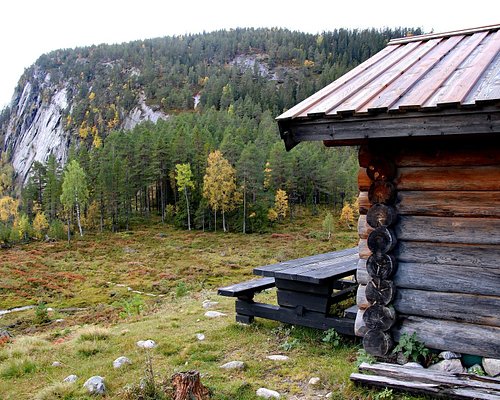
{"points": [[98, 315]]}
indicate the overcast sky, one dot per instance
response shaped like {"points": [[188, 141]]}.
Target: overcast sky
{"points": [[29, 28]]}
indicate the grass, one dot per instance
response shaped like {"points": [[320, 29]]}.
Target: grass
{"points": [[181, 269]]}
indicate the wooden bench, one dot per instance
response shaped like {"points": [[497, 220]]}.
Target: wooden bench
{"points": [[306, 289]]}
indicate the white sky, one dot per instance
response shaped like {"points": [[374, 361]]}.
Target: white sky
{"points": [[29, 28]]}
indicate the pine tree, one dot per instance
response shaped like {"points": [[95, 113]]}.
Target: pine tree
{"points": [[75, 192]]}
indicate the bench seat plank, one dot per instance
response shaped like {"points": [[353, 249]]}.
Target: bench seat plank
{"points": [[247, 287]]}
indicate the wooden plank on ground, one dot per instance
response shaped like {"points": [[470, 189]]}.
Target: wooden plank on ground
{"points": [[424, 381]]}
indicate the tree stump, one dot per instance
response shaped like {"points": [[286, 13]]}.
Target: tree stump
{"points": [[187, 386]]}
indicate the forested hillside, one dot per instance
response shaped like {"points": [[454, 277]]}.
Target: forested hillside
{"points": [[204, 92]]}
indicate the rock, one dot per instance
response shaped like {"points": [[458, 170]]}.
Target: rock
{"points": [[121, 361], [234, 365], [329, 395], [95, 385], [57, 364], [70, 379], [491, 366], [59, 320], [449, 355], [412, 365], [476, 369], [200, 336], [401, 358], [124, 331], [267, 393], [314, 381], [453, 366], [214, 314], [50, 309], [146, 344], [278, 357], [209, 304]]}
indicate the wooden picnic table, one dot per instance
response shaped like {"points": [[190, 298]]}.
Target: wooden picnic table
{"points": [[306, 289]]}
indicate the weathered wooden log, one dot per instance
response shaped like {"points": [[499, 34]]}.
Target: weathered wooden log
{"points": [[446, 203], [464, 338], [441, 278], [377, 343], [364, 203], [460, 307], [361, 300], [381, 241], [381, 266], [381, 215], [381, 169], [363, 228], [379, 317], [380, 291], [382, 192], [187, 386], [449, 178], [359, 325], [448, 230], [364, 251]]}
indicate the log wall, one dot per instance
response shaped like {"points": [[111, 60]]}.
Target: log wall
{"points": [[447, 282]]}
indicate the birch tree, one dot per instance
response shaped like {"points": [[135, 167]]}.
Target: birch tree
{"points": [[184, 179], [75, 192]]}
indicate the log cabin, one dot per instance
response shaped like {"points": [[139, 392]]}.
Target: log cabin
{"points": [[425, 115]]}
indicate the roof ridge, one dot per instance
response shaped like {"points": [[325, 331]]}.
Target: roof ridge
{"points": [[428, 36]]}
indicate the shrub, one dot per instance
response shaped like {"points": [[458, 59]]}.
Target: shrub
{"points": [[332, 337], [412, 348], [40, 225], [41, 314], [57, 230]]}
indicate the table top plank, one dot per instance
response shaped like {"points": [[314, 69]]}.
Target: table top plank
{"points": [[271, 269]]}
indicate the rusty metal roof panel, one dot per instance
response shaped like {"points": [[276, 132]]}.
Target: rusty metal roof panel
{"points": [[456, 69]]}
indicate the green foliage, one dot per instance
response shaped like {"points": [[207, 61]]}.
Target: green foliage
{"points": [[56, 230], [181, 289], [16, 368], [364, 357], [332, 337], [411, 347], [41, 314], [130, 307], [386, 394], [75, 192], [290, 344]]}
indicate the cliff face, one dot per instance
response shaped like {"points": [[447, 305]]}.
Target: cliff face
{"points": [[37, 124]]}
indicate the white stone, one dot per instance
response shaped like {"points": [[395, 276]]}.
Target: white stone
{"points": [[452, 366], [267, 393], [214, 314], [449, 355], [70, 378], [278, 357], [234, 365], [95, 385], [200, 336], [50, 309], [209, 304], [491, 366], [146, 344], [329, 395], [59, 320], [412, 365], [121, 361], [57, 364], [314, 381]]}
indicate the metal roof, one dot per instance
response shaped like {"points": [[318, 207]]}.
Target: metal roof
{"points": [[459, 70]]}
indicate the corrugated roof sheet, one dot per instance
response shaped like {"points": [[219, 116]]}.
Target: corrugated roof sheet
{"points": [[429, 72]]}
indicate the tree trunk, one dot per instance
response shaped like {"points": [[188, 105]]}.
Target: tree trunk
{"points": [[187, 386], [244, 207], [215, 221], [223, 221], [187, 208], [69, 230], [78, 218]]}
